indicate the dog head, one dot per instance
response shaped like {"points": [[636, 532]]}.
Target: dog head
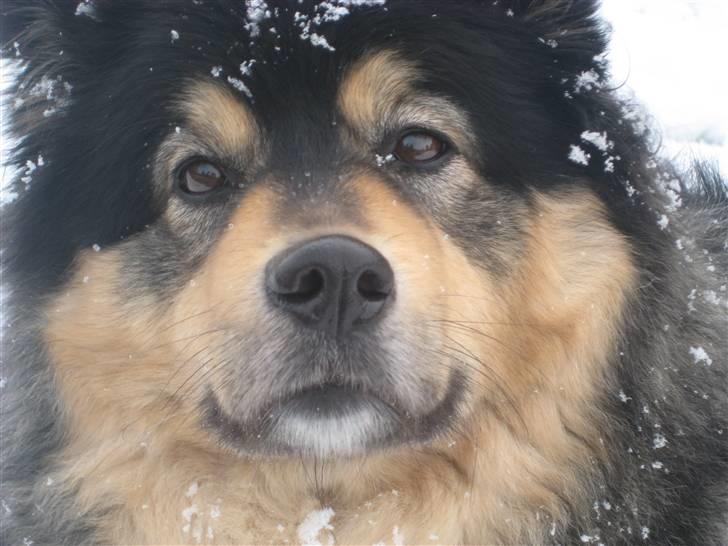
{"points": [[319, 228]]}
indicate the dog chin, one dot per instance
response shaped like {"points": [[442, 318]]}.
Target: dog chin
{"points": [[351, 432], [327, 421], [331, 421]]}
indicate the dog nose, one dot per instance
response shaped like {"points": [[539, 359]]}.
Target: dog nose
{"points": [[333, 284]]}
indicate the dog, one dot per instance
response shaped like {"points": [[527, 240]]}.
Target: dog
{"points": [[352, 272]]}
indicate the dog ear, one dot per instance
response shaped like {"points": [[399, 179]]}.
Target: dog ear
{"points": [[53, 42]]}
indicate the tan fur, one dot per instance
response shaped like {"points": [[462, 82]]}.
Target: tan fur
{"points": [[379, 87], [129, 378], [217, 115], [373, 86]]}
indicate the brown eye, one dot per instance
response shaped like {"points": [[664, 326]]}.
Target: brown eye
{"points": [[419, 147], [201, 177]]}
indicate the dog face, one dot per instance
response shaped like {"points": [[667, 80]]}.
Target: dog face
{"points": [[294, 235]]}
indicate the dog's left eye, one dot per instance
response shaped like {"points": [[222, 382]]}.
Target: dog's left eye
{"points": [[201, 177], [419, 147]]}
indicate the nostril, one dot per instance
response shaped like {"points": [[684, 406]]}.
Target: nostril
{"points": [[306, 286], [373, 287], [334, 284]]}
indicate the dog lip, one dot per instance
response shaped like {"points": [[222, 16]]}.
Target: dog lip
{"points": [[258, 436], [327, 399]]}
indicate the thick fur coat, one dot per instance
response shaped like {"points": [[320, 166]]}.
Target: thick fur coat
{"points": [[545, 363]]}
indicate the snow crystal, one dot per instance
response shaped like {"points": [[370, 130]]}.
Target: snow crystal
{"points": [[623, 397], [659, 441], [551, 43], [657, 465], [384, 160], [645, 533], [579, 156], [599, 140], [192, 490], [671, 188], [663, 222], [321, 41], [326, 12], [87, 8], [96, 247], [30, 168], [257, 11], [397, 537], [247, 66], [313, 524], [55, 90], [711, 296], [587, 81], [699, 355], [240, 86], [609, 163], [216, 71], [174, 35], [3, 382]]}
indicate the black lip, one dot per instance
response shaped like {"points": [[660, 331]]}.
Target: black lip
{"points": [[327, 399], [253, 437]]}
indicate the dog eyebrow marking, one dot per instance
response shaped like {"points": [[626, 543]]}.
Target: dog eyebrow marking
{"points": [[217, 116], [373, 86], [377, 95]]}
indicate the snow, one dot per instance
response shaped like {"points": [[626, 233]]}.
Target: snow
{"points": [[312, 526], [87, 8], [257, 11], [240, 86], [397, 537], [599, 140], [671, 53], [192, 490], [659, 441], [578, 155], [587, 81], [700, 355], [327, 12]]}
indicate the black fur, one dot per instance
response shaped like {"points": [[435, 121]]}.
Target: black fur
{"points": [[527, 108]]}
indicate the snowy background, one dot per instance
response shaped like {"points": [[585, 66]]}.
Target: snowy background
{"points": [[673, 54]]}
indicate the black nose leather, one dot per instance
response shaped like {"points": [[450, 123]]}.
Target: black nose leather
{"points": [[334, 284]]}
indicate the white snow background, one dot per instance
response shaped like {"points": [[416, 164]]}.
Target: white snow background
{"points": [[672, 54]]}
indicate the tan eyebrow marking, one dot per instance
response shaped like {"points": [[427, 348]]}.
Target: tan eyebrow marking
{"points": [[373, 87], [214, 113], [377, 95]]}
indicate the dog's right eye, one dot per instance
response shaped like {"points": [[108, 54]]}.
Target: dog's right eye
{"points": [[201, 177]]}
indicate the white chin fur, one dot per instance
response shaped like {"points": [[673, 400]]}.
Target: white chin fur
{"points": [[333, 435]]}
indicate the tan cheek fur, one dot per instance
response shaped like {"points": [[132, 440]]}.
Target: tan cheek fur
{"points": [[139, 451]]}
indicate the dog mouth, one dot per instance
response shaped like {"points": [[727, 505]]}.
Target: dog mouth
{"points": [[331, 419]]}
